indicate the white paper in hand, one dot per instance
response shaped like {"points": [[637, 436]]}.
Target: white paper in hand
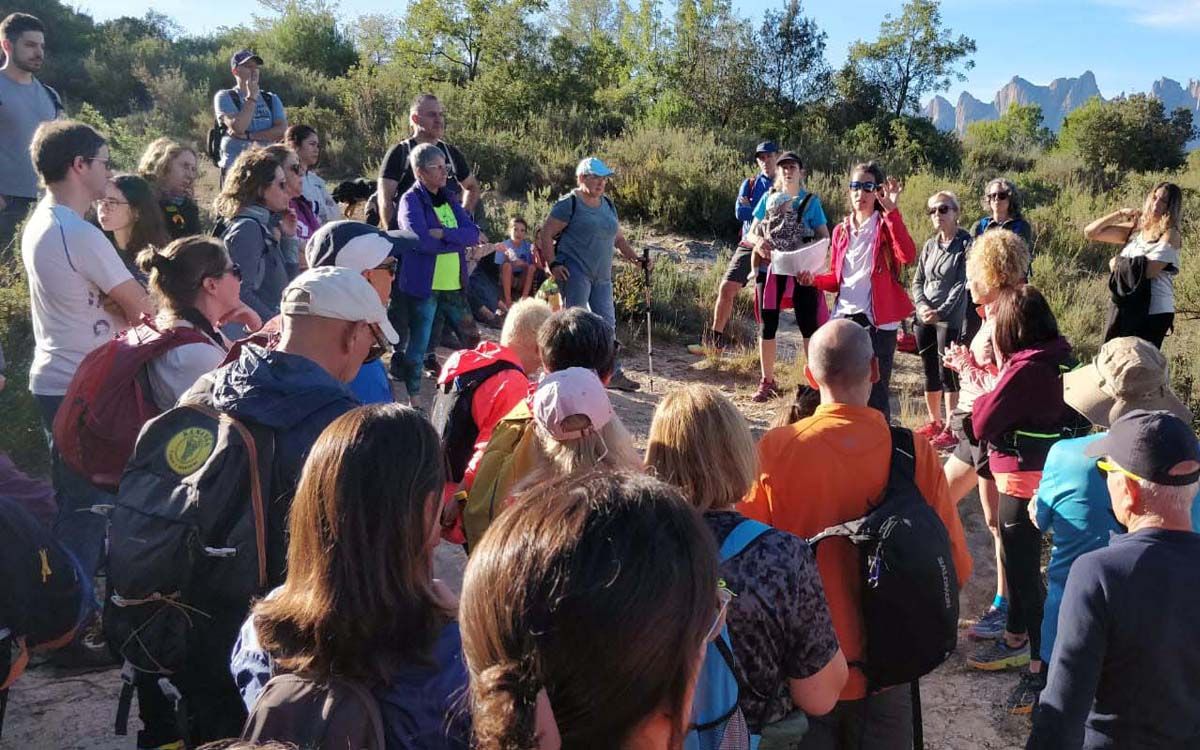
{"points": [[810, 258]]}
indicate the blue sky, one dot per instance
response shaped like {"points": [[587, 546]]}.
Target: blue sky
{"points": [[1127, 43]]}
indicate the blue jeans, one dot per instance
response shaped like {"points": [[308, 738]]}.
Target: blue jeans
{"points": [[80, 530], [420, 314], [596, 295]]}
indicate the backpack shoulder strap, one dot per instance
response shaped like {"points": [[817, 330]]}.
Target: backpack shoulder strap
{"points": [[54, 97], [372, 707], [741, 537], [903, 469], [803, 205]]}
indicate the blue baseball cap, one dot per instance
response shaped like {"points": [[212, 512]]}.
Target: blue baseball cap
{"points": [[766, 147], [594, 166], [243, 56]]}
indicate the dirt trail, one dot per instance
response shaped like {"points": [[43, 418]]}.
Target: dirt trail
{"points": [[962, 707]]}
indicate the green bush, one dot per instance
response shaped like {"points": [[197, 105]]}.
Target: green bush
{"points": [[21, 437]]}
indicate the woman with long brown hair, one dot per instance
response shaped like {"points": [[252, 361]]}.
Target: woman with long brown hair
{"points": [[360, 601], [129, 216], [586, 611]]}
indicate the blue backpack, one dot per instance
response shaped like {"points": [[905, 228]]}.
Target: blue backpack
{"points": [[717, 721]]}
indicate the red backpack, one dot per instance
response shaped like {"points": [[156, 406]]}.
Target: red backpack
{"points": [[109, 400]]}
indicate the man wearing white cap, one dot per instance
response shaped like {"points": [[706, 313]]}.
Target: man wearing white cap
{"points": [[577, 244]]}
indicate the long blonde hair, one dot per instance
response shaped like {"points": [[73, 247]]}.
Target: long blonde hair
{"points": [[610, 448]]}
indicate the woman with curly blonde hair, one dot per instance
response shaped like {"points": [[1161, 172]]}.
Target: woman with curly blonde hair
{"points": [[171, 167], [998, 260]]}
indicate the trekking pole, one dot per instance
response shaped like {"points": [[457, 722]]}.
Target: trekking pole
{"points": [[649, 337]]}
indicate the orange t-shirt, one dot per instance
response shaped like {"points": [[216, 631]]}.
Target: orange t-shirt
{"points": [[829, 469]]}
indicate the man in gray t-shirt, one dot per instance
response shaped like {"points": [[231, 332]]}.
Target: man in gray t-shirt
{"points": [[25, 103], [249, 114]]}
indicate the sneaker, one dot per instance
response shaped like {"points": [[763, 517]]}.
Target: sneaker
{"points": [[432, 366], [991, 625], [929, 429], [767, 390], [712, 344], [621, 382], [998, 655], [87, 653], [1024, 697], [944, 441]]}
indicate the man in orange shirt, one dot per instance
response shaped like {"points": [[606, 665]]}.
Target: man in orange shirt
{"points": [[828, 469]]}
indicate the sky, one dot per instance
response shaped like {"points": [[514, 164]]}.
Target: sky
{"points": [[1128, 44]]}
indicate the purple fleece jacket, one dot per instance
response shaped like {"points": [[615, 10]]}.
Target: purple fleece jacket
{"points": [[1028, 396], [416, 215]]}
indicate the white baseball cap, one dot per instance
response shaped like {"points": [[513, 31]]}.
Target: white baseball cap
{"points": [[338, 293], [568, 393]]}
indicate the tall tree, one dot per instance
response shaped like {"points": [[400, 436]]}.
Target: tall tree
{"points": [[914, 55], [1131, 134], [791, 51]]}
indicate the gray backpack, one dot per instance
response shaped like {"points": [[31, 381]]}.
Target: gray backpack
{"points": [[333, 714]]}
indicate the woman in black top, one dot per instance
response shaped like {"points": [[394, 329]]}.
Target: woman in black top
{"points": [[1002, 200]]}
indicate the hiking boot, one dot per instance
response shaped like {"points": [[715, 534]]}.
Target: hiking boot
{"points": [[1024, 697], [991, 625], [87, 653], [998, 655], [944, 441], [621, 382], [713, 344], [767, 390], [930, 429]]}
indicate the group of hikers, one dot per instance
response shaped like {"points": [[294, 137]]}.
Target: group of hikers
{"points": [[248, 524]]}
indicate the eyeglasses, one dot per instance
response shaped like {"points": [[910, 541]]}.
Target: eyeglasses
{"points": [[378, 347], [866, 187], [109, 164], [234, 270], [111, 202], [1107, 467], [295, 168], [724, 597], [997, 197], [437, 167], [389, 264], [940, 208]]}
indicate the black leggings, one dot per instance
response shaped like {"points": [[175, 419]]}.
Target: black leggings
{"points": [[931, 344], [1152, 328], [804, 304], [1021, 552]]}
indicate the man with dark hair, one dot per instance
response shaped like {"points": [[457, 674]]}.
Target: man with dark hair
{"points": [[249, 114], [576, 337], [25, 103]]}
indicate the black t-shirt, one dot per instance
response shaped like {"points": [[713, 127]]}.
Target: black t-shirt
{"points": [[397, 167], [182, 217]]}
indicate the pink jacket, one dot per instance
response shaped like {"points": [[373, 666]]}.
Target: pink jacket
{"points": [[890, 302]]}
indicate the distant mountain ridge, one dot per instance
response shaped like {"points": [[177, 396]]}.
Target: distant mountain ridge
{"points": [[1058, 99]]}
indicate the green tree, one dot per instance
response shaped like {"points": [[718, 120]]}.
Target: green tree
{"points": [[454, 40], [306, 34], [1132, 134], [791, 52], [914, 55], [1020, 129]]}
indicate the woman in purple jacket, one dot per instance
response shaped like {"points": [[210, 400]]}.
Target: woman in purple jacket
{"points": [[434, 272], [1020, 419]]}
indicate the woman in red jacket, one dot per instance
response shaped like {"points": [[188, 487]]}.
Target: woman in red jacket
{"points": [[867, 251], [1019, 419]]}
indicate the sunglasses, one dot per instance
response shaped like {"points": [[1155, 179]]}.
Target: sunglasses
{"points": [[379, 346], [997, 196], [1107, 467], [724, 597], [940, 208], [389, 264], [867, 187]]}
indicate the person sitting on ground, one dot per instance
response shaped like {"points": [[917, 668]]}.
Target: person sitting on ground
{"points": [[829, 469], [802, 406], [632, 573], [332, 322], [997, 261], [576, 430], [304, 140], [433, 272], [737, 273], [254, 190], [569, 338], [131, 219], [1003, 202], [196, 286], [248, 114], [1020, 419], [1150, 253], [939, 291], [786, 653], [510, 267], [1124, 668], [306, 219], [785, 219], [577, 242], [348, 613], [171, 167], [867, 251], [1072, 500]]}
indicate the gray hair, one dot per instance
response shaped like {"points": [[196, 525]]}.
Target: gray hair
{"points": [[418, 101], [839, 354], [424, 155], [1166, 500], [945, 195], [1014, 197]]}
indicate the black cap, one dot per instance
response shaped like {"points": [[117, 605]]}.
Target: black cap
{"points": [[789, 156], [766, 147], [243, 56], [356, 245], [1150, 444]]}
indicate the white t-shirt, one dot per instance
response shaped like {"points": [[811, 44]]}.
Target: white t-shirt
{"points": [[1162, 286], [316, 192], [71, 268], [855, 295], [176, 371]]}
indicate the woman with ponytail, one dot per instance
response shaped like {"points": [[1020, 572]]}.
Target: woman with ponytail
{"points": [[196, 286], [585, 615]]}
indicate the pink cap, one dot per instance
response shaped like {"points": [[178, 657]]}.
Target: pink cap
{"points": [[567, 393]]}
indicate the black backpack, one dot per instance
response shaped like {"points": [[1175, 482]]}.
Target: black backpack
{"points": [[451, 415], [218, 130], [909, 584], [187, 538]]}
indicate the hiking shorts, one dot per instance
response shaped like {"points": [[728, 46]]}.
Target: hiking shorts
{"points": [[970, 451], [738, 270]]}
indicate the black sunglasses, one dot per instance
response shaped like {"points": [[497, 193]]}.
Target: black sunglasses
{"points": [[389, 264], [997, 196], [940, 208], [378, 347]]}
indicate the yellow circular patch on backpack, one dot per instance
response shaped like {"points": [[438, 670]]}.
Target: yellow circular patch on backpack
{"points": [[188, 449]]}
